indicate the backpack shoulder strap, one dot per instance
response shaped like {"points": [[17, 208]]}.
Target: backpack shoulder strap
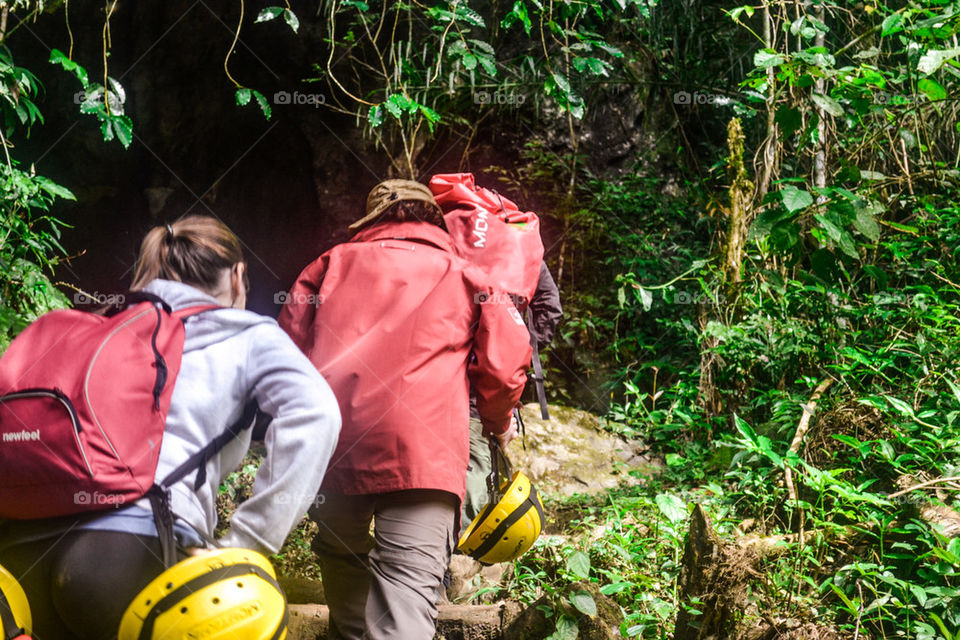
{"points": [[159, 493]]}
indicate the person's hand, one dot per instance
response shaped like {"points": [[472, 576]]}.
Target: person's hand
{"points": [[197, 551], [507, 436]]}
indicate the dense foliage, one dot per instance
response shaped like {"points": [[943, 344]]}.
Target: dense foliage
{"points": [[764, 287]]}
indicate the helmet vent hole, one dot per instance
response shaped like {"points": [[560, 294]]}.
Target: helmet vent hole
{"points": [[169, 585], [216, 601], [148, 602], [183, 609], [240, 584]]}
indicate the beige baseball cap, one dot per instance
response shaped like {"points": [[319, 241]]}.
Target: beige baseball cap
{"points": [[388, 193]]}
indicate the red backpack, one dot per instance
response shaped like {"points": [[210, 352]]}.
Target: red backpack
{"points": [[83, 406], [491, 232]]}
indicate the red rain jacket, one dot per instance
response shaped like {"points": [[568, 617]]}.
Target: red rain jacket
{"points": [[390, 321]]}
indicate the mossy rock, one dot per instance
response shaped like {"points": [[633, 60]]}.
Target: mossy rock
{"points": [[572, 453]]}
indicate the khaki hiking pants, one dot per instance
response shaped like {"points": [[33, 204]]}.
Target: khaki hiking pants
{"points": [[480, 467], [385, 586]]}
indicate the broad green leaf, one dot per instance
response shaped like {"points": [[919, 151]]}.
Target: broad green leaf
{"points": [[123, 127], [933, 89], [828, 104], [468, 15], [956, 394], [864, 219], [745, 429], [566, 629], [933, 59], [268, 13], [429, 114], [919, 593], [736, 11], [519, 12], [584, 602], [60, 58], [243, 96], [579, 564], [615, 587], [891, 24], [645, 296], [766, 58], [675, 460], [672, 507], [488, 64], [795, 199], [393, 105], [902, 407], [789, 119], [291, 19], [54, 189], [469, 61]]}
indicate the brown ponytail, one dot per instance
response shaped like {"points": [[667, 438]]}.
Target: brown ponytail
{"points": [[194, 250]]}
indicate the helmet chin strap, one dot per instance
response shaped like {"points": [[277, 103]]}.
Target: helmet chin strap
{"points": [[500, 467]]}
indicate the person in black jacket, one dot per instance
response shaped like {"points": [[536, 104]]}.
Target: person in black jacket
{"points": [[545, 314]]}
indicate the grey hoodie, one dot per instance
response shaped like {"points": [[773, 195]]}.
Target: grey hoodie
{"points": [[229, 357]]}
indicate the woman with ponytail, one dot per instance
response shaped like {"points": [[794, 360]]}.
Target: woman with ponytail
{"points": [[80, 574]]}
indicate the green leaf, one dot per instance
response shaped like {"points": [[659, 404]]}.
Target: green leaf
{"points": [[901, 407], [615, 587], [584, 602], [488, 64], [263, 102], [469, 61], [675, 460], [291, 19], [893, 23], [579, 565], [566, 629], [828, 104], [933, 89], [933, 59], [392, 106], [919, 593], [645, 297], [106, 130], [269, 13], [375, 115], [60, 58], [795, 199], [672, 507], [789, 119], [123, 127], [518, 13], [243, 96], [735, 12], [766, 58], [468, 15], [430, 114], [864, 220]]}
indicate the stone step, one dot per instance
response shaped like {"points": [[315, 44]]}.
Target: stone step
{"points": [[455, 621]]}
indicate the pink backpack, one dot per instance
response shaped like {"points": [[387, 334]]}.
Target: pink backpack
{"points": [[491, 232], [83, 405]]}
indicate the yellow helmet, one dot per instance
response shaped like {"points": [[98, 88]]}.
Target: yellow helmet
{"points": [[13, 601], [227, 593], [511, 521]]}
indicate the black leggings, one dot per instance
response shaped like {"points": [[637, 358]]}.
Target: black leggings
{"points": [[79, 585]]}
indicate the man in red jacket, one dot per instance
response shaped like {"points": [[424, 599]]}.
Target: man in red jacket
{"points": [[391, 320]]}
